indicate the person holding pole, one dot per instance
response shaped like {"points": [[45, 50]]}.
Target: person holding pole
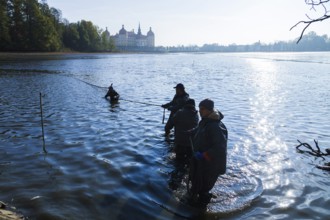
{"points": [[209, 144], [177, 103], [183, 120]]}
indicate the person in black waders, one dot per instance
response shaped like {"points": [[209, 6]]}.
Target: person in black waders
{"points": [[178, 101], [113, 94], [209, 144], [183, 120]]}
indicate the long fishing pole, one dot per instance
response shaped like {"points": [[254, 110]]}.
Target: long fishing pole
{"points": [[42, 126], [143, 103]]}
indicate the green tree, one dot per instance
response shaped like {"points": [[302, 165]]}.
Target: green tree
{"points": [[57, 21], [89, 36], [31, 25], [4, 26], [17, 30], [85, 36], [71, 37], [107, 42], [55, 16], [84, 42], [42, 34]]}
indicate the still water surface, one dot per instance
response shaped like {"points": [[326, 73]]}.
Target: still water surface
{"points": [[113, 162]]}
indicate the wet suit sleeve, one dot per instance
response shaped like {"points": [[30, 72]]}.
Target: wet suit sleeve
{"points": [[167, 105], [178, 104]]}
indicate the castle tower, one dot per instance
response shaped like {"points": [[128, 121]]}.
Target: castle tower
{"points": [[123, 37], [139, 30], [107, 33], [150, 38]]}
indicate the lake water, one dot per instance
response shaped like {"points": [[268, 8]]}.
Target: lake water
{"points": [[113, 162]]}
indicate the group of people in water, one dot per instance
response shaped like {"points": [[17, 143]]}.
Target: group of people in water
{"points": [[200, 145], [203, 144]]}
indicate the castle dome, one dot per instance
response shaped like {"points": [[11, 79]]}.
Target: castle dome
{"points": [[107, 33], [150, 33], [122, 30]]}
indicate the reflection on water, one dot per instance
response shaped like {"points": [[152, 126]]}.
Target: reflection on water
{"points": [[111, 160]]}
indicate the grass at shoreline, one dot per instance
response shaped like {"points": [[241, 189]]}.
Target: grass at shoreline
{"points": [[49, 53], [46, 54], [10, 56]]}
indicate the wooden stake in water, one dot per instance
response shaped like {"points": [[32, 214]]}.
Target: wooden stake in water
{"points": [[164, 116], [42, 126]]}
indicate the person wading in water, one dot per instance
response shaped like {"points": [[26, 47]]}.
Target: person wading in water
{"points": [[178, 101], [114, 96], [185, 119], [210, 153]]}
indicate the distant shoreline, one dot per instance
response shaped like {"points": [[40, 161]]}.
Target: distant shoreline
{"points": [[69, 53], [45, 54]]}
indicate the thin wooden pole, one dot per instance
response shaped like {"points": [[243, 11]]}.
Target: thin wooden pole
{"points": [[42, 126], [164, 116]]}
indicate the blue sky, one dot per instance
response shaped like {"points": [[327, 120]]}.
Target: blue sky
{"points": [[195, 22]]}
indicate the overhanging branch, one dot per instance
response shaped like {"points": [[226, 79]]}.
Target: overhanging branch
{"points": [[307, 24], [314, 4]]}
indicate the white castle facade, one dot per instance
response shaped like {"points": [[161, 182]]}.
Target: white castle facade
{"points": [[126, 38]]}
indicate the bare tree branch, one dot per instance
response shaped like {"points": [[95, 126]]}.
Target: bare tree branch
{"points": [[316, 3], [313, 4], [316, 153], [311, 151]]}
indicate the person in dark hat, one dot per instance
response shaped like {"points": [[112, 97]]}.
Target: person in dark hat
{"points": [[210, 152], [178, 101]]}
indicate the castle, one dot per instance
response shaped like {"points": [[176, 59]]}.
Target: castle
{"points": [[130, 39]]}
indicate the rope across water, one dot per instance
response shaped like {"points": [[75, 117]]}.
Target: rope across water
{"points": [[120, 99]]}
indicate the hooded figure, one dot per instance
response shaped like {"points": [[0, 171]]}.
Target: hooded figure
{"points": [[210, 152], [114, 96], [178, 101]]}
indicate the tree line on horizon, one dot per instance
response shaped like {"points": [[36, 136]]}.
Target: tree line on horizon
{"points": [[310, 42], [30, 25]]}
